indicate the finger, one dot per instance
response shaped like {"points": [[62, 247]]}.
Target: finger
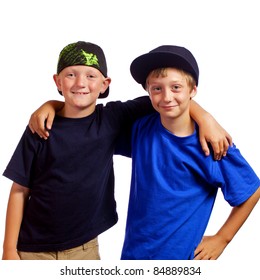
{"points": [[220, 150], [43, 134], [31, 128], [204, 146], [39, 133], [46, 135], [198, 257], [229, 139], [197, 252], [41, 124], [217, 156], [40, 130], [216, 149], [205, 257], [226, 147], [49, 121]]}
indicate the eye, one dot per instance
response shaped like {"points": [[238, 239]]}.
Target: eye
{"points": [[156, 88], [90, 76], [176, 88]]}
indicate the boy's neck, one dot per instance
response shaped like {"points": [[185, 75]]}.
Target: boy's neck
{"points": [[76, 113], [180, 127]]}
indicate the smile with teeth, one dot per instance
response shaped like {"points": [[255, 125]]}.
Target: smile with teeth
{"points": [[76, 92]]}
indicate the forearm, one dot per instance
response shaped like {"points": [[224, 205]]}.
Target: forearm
{"points": [[237, 218], [51, 105], [57, 105], [14, 216], [198, 113]]}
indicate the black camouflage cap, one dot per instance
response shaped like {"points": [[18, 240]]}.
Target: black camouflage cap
{"points": [[83, 53]]}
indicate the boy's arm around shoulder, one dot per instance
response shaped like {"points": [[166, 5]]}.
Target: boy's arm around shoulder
{"points": [[211, 247], [41, 120]]}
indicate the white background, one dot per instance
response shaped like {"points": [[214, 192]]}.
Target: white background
{"points": [[222, 35]]}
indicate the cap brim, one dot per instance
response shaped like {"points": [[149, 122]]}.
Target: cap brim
{"points": [[105, 94], [144, 64]]}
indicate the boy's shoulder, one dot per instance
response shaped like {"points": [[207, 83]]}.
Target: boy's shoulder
{"points": [[146, 124], [148, 119]]}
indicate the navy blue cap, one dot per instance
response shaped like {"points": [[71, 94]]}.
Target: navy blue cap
{"points": [[163, 57]]}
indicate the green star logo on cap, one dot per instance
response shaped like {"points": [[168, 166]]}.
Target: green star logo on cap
{"points": [[91, 59]]}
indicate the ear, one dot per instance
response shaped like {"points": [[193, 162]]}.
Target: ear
{"points": [[105, 85], [193, 92], [57, 81]]}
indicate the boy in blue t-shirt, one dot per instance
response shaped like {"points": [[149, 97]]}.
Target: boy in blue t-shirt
{"points": [[174, 185]]}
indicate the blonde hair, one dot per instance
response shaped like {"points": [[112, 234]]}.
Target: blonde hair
{"points": [[162, 72]]}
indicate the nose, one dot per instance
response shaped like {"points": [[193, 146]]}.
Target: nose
{"points": [[81, 81], [167, 95]]}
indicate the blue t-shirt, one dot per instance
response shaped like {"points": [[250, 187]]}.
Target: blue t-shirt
{"points": [[173, 190]]}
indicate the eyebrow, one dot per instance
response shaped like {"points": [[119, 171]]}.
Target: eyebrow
{"points": [[172, 81]]}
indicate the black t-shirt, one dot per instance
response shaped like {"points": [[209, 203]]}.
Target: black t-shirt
{"points": [[71, 177]]}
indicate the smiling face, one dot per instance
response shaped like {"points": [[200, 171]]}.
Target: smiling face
{"points": [[170, 92], [81, 86]]}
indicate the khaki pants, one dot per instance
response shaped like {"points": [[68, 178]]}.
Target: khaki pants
{"points": [[87, 251]]}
